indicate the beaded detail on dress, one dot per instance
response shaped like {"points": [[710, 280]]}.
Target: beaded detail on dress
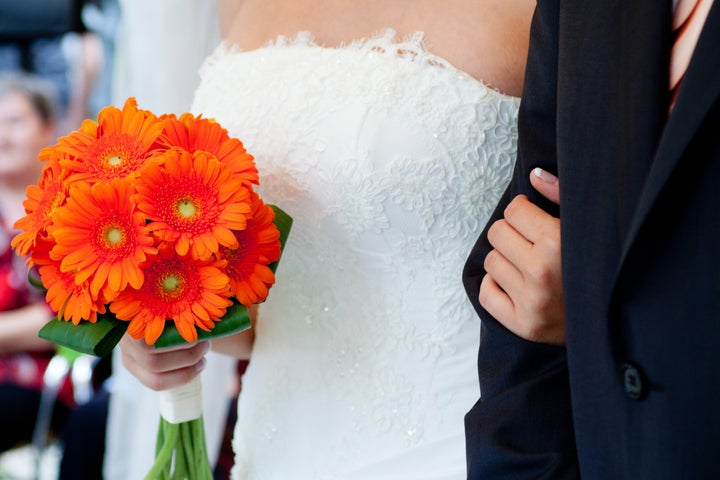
{"points": [[390, 161]]}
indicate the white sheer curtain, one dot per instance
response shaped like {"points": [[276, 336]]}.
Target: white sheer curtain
{"points": [[160, 45]]}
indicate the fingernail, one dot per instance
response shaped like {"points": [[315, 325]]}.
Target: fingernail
{"points": [[546, 177], [200, 366], [206, 346]]}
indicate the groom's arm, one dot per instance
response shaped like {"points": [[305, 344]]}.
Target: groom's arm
{"points": [[522, 426]]}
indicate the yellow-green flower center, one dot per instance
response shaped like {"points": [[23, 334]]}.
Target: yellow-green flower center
{"points": [[114, 236], [59, 197], [186, 208], [115, 160], [171, 283]]}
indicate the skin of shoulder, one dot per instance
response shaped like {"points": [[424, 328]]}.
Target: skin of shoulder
{"points": [[488, 39]]}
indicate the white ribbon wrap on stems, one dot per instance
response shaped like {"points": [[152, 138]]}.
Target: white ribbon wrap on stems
{"points": [[183, 403]]}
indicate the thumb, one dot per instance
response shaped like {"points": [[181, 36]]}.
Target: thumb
{"points": [[547, 184]]}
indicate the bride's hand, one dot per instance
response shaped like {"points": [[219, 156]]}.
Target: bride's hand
{"points": [[163, 368], [523, 285]]}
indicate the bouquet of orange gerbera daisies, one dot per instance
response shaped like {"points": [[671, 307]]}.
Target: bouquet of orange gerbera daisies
{"points": [[150, 224]]}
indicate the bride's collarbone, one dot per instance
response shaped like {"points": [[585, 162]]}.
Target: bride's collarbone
{"points": [[483, 38]]}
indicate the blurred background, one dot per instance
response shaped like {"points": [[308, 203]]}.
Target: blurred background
{"points": [[90, 54], [71, 43]]}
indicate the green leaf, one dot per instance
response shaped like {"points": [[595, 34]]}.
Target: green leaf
{"points": [[235, 320], [35, 281], [97, 338], [283, 222]]}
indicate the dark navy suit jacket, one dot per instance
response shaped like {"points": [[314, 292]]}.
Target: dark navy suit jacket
{"points": [[636, 394]]}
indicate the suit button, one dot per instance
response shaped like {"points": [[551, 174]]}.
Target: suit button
{"points": [[634, 381]]}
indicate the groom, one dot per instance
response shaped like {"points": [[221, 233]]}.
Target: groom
{"points": [[636, 392]]}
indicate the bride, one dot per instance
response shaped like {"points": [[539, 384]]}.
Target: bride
{"points": [[387, 130]]}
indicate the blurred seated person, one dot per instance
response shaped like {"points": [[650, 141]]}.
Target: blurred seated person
{"points": [[26, 126]]}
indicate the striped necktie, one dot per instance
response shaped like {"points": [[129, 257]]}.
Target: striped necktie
{"points": [[688, 19]]}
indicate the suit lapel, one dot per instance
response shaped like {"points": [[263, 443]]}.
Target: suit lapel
{"points": [[638, 95], [700, 90]]}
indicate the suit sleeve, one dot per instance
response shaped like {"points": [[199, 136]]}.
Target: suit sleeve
{"points": [[521, 428]]}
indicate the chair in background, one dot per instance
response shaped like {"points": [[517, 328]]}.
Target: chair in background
{"points": [[82, 371]]}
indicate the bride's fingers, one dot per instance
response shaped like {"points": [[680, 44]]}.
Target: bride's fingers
{"points": [[496, 301], [531, 221], [160, 369], [162, 381], [158, 361], [513, 245], [504, 273], [547, 184]]}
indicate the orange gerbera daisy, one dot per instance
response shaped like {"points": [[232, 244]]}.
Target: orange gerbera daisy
{"points": [[71, 301], [194, 201], [258, 246], [192, 293], [117, 146], [40, 205], [40, 254], [196, 133], [101, 237]]}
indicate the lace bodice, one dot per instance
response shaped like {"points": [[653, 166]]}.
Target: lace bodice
{"points": [[390, 161]]}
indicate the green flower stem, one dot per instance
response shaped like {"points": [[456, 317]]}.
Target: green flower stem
{"points": [[164, 473], [198, 433], [181, 452], [182, 462], [164, 456], [185, 451], [168, 464], [160, 436]]}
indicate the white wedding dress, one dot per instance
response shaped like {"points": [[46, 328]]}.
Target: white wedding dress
{"points": [[390, 161]]}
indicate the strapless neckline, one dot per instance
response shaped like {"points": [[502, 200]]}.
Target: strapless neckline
{"points": [[411, 48]]}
